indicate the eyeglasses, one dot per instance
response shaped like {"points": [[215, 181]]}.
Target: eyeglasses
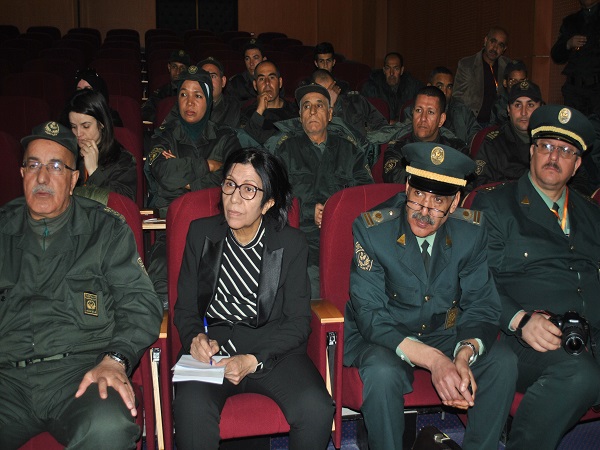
{"points": [[433, 212], [563, 152], [247, 191], [54, 167]]}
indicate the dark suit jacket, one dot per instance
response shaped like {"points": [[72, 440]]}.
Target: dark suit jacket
{"points": [[283, 297], [534, 264], [468, 82], [391, 296]]}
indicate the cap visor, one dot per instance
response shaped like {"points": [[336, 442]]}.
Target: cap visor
{"points": [[434, 187]]}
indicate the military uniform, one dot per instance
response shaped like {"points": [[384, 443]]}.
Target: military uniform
{"points": [[86, 294], [318, 172], [503, 156], [358, 112], [261, 127], [582, 85], [392, 298], [119, 176], [459, 120], [226, 112], [394, 170], [170, 176], [150, 105], [377, 86], [546, 260], [241, 87]]}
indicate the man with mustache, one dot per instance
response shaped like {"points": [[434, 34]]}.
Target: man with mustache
{"points": [[544, 242], [258, 117], [421, 295], [479, 77], [504, 153], [392, 84], [77, 309]]}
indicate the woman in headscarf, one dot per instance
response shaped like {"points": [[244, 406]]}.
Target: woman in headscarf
{"points": [[186, 155], [103, 162]]}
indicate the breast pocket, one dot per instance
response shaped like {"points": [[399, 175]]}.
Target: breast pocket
{"points": [[86, 297], [517, 255]]}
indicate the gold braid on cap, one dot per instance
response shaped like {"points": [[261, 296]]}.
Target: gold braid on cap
{"points": [[436, 176], [560, 131]]}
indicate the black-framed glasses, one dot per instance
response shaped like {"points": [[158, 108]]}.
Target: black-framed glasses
{"points": [[563, 152], [247, 191], [53, 167], [433, 212]]}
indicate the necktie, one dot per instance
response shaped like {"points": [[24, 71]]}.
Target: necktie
{"points": [[425, 255], [554, 209]]}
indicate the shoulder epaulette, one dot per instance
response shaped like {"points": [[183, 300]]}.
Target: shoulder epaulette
{"points": [[468, 215], [492, 135], [379, 216], [282, 139], [352, 93], [112, 212]]}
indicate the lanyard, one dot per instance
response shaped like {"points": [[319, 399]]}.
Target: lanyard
{"points": [[563, 220]]}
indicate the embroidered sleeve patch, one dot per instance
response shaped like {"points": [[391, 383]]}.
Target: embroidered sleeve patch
{"points": [[362, 259]]}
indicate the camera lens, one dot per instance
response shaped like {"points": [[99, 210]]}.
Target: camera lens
{"points": [[573, 344]]}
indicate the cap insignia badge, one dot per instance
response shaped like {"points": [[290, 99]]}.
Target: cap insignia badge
{"points": [[193, 69], [52, 128], [564, 115], [437, 155]]}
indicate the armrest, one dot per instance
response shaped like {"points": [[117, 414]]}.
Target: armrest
{"points": [[164, 326], [327, 325]]}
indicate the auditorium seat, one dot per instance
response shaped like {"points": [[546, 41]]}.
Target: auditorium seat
{"points": [[44, 85], [19, 114], [11, 153]]}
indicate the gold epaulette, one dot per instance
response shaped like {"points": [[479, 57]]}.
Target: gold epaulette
{"points": [[379, 216], [113, 213], [468, 215], [492, 135]]}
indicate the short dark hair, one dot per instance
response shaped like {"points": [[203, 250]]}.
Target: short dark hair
{"points": [[322, 48], [497, 29], [438, 70], [92, 103], [396, 54], [252, 45], [273, 174], [319, 74], [264, 62], [432, 91]]}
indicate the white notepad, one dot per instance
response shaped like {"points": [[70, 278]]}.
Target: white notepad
{"points": [[190, 369]]}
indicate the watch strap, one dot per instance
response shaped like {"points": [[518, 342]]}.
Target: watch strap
{"points": [[473, 356], [522, 323], [120, 358]]}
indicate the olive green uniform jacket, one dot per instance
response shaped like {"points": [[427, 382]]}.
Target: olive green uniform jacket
{"points": [[86, 294], [535, 265]]}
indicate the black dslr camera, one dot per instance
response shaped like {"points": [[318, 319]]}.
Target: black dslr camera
{"points": [[575, 331]]}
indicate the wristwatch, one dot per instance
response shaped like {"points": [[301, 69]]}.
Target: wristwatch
{"points": [[120, 358], [522, 323], [474, 356]]}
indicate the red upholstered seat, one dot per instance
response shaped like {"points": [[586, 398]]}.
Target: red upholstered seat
{"points": [[163, 108], [132, 143], [478, 139], [47, 86], [336, 252], [243, 414], [18, 115]]}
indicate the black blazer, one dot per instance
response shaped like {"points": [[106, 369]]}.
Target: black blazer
{"points": [[283, 292]]}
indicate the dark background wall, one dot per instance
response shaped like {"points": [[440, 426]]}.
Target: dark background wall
{"points": [[427, 33]]}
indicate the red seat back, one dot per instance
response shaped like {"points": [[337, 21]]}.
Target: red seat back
{"points": [[132, 143], [18, 115], [478, 139], [12, 157]]}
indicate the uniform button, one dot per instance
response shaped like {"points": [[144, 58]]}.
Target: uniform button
{"points": [[525, 254], [579, 290], [394, 295], [572, 247], [427, 298], [423, 326], [454, 302], [570, 267], [419, 334]]}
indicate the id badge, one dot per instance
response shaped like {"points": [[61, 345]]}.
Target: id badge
{"points": [[451, 316]]}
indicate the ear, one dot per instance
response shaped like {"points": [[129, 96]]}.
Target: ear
{"points": [[455, 202], [254, 84], [577, 164], [330, 116], [531, 151], [280, 82], [267, 206], [223, 81], [402, 70], [333, 63], [505, 84], [315, 61], [442, 119], [74, 178], [22, 169]]}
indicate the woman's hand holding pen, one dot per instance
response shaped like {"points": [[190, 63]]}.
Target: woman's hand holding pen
{"points": [[203, 348], [238, 366]]}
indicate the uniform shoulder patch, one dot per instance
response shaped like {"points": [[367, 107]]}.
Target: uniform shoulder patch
{"points": [[282, 139], [353, 93], [113, 213], [362, 259], [468, 215], [480, 165], [154, 153], [379, 216], [492, 135], [389, 165]]}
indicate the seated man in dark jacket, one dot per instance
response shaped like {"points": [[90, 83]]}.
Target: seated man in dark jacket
{"points": [[428, 118]]}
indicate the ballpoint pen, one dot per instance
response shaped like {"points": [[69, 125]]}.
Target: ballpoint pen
{"points": [[206, 332]]}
